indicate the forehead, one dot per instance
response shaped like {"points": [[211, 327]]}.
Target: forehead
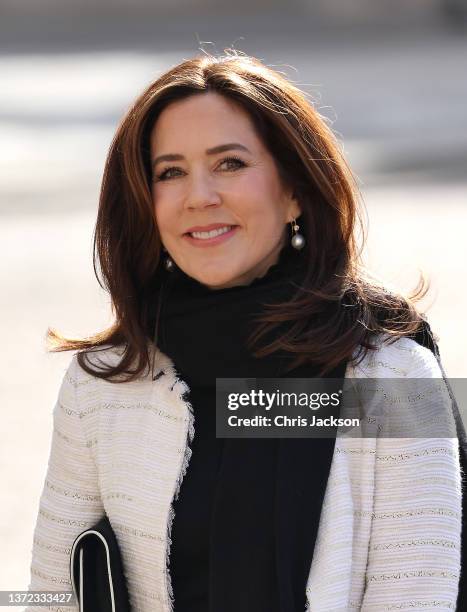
{"points": [[207, 118]]}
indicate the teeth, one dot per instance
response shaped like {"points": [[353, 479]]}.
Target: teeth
{"points": [[212, 233]]}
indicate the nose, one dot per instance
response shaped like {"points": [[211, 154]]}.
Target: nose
{"points": [[202, 194]]}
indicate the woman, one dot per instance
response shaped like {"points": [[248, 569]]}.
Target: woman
{"points": [[227, 216]]}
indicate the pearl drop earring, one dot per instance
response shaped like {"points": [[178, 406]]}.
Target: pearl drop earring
{"points": [[168, 262], [298, 240]]}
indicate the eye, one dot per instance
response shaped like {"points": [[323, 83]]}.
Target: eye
{"points": [[235, 160], [164, 176]]}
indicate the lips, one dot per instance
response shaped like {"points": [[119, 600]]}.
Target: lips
{"points": [[211, 241], [208, 228]]}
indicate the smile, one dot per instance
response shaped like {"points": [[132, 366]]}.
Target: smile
{"points": [[211, 238]]}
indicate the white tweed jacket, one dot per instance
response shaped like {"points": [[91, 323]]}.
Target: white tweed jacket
{"points": [[389, 532]]}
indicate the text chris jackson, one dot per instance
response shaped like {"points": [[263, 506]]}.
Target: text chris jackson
{"points": [[282, 420]]}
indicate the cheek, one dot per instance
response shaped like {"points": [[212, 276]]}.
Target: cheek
{"points": [[163, 216], [262, 203], [264, 219]]}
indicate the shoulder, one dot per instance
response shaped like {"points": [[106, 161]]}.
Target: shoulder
{"points": [[401, 358], [97, 358], [109, 356], [76, 377]]}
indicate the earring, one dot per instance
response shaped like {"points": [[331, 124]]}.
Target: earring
{"points": [[168, 262], [298, 240]]}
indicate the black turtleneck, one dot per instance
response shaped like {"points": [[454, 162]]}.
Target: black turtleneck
{"points": [[227, 530]]}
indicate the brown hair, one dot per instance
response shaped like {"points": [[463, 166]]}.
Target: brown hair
{"points": [[344, 304]]}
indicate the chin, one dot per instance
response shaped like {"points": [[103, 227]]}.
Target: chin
{"points": [[215, 280]]}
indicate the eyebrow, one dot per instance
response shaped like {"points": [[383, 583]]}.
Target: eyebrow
{"points": [[219, 149]]}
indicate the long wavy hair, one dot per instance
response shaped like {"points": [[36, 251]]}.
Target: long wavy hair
{"points": [[339, 307]]}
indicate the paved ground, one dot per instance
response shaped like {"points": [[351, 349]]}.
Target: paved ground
{"points": [[400, 109]]}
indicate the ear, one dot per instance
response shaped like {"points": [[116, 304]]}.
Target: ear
{"points": [[294, 209]]}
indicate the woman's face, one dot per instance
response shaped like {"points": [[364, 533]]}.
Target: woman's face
{"points": [[199, 187]]}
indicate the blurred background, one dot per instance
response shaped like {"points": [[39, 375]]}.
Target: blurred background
{"points": [[390, 78]]}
